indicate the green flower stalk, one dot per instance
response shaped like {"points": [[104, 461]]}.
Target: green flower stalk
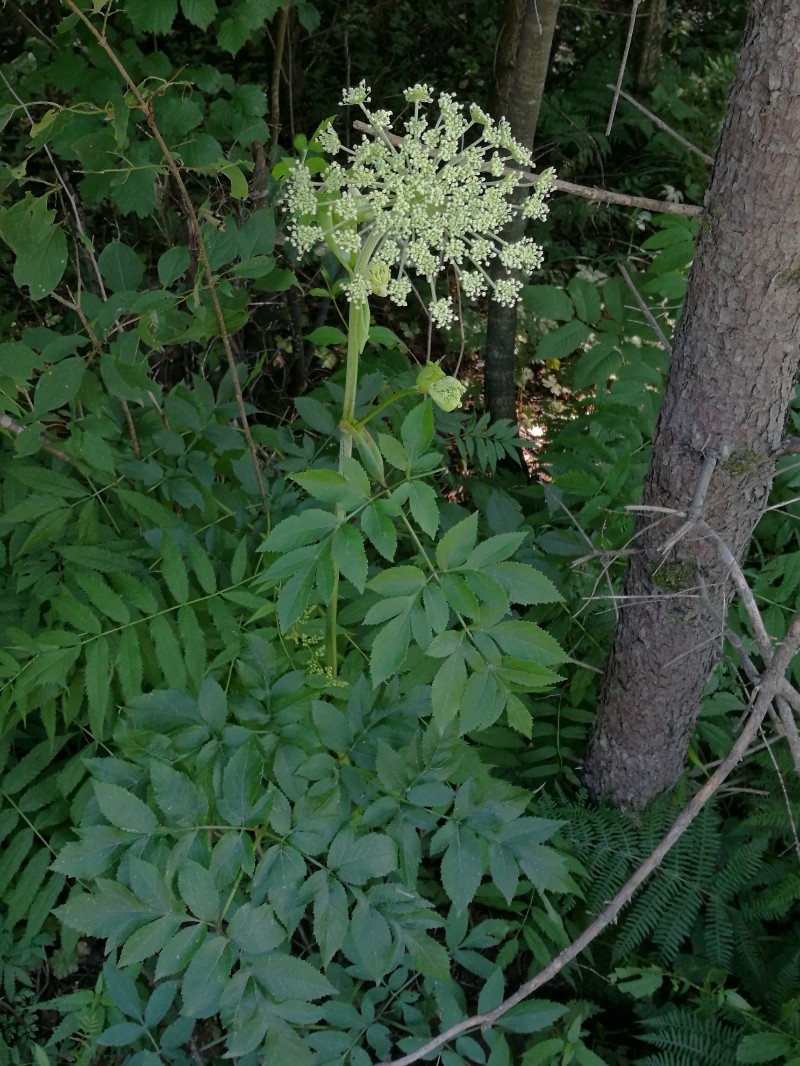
{"points": [[432, 200]]}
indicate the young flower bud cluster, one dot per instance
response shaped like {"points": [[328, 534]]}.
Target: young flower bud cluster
{"points": [[433, 197]]}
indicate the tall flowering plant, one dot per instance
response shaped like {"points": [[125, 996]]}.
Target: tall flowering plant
{"points": [[402, 209]]}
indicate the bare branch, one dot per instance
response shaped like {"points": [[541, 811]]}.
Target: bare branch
{"points": [[662, 125], [7, 422], [586, 192], [623, 64], [648, 314]]}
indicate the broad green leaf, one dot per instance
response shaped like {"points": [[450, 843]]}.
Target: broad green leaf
{"points": [[173, 569], [379, 529], [586, 298], [124, 810], [459, 595], [212, 704], [120, 266], [206, 977], [455, 547], [152, 16], [121, 1034], [198, 891], [389, 649], [424, 507], [526, 640], [330, 918], [393, 451], [416, 431], [519, 717], [293, 599], [200, 13], [92, 854], [436, 607], [174, 263], [109, 911], [316, 415], [524, 583], [332, 488], [546, 301], [254, 930], [369, 942], [149, 940], [398, 581], [763, 1047], [180, 800], [447, 687], [98, 684], [563, 340], [287, 978], [478, 702], [357, 860], [103, 597], [177, 952], [326, 335], [349, 555], [531, 1016], [307, 527], [241, 781], [58, 385], [168, 652], [202, 566], [545, 868], [494, 550], [428, 957], [462, 868], [504, 871]]}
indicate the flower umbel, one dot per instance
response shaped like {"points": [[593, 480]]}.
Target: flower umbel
{"points": [[432, 198]]}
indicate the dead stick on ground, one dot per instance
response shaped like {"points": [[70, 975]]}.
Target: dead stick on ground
{"points": [[770, 684]]}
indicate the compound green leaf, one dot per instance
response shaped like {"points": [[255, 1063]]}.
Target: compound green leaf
{"points": [[389, 649], [358, 859], [149, 940], [98, 684], [462, 868], [424, 507], [524, 583], [331, 918], [416, 431], [286, 978], [349, 554], [447, 687], [173, 569], [455, 547], [180, 800], [198, 891], [206, 977], [124, 810]]}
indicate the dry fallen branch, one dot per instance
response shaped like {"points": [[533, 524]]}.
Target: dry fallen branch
{"points": [[662, 125]]}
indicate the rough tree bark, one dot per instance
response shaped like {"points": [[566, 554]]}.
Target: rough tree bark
{"points": [[646, 50], [731, 379], [523, 58]]}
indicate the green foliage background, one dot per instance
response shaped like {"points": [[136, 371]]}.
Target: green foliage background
{"points": [[214, 850]]}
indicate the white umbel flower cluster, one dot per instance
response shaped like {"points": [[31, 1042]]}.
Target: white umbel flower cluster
{"points": [[433, 197]]}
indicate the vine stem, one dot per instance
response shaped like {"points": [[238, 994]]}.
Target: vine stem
{"points": [[194, 223], [770, 685]]}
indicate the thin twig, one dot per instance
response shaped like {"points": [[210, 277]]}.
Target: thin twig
{"points": [[194, 223], [7, 422], [275, 87], [663, 126], [648, 314], [769, 684], [586, 192], [696, 504], [623, 64]]}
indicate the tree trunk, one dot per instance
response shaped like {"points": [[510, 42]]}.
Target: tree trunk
{"points": [[523, 57], [731, 379], [648, 38]]}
